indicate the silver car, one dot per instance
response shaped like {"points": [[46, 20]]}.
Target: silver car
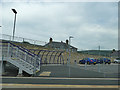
{"points": [[117, 60]]}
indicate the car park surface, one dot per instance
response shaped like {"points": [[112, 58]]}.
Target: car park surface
{"points": [[111, 69], [76, 70]]}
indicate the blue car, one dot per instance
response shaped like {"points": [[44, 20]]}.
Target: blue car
{"points": [[104, 60], [88, 61]]}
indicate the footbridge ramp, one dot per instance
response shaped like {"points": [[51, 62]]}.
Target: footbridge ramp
{"points": [[20, 57]]}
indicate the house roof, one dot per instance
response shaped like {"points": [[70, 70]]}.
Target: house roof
{"points": [[58, 44], [116, 53]]}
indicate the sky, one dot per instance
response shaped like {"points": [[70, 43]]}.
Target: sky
{"points": [[90, 23]]}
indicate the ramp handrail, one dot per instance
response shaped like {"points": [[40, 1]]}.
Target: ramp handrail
{"points": [[20, 47]]}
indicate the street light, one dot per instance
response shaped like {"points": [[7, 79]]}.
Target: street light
{"points": [[69, 52], [99, 49], [99, 61], [15, 12]]}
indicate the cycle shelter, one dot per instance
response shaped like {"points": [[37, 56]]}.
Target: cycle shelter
{"points": [[51, 57]]}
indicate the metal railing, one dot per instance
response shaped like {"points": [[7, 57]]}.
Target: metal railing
{"points": [[12, 51], [21, 39]]}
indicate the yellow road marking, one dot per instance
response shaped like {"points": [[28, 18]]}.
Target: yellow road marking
{"points": [[45, 74], [64, 86]]}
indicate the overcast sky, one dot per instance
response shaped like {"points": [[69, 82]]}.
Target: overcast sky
{"points": [[90, 23]]}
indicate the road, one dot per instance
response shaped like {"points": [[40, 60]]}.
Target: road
{"points": [[57, 76], [31, 82]]}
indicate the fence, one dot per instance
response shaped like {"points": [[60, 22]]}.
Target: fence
{"points": [[21, 39]]}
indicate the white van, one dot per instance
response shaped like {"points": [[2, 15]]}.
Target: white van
{"points": [[117, 60]]}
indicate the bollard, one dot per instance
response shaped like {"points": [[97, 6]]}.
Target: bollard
{"points": [[75, 62], [67, 62], [85, 64]]}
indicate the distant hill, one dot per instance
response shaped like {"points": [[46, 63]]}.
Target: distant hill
{"points": [[97, 52]]}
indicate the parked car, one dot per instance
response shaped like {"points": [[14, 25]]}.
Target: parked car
{"points": [[88, 61], [103, 60], [117, 60]]}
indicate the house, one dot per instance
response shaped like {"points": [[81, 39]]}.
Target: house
{"points": [[60, 45], [115, 53]]}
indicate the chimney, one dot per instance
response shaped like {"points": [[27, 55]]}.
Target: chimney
{"points": [[67, 41], [50, 40]]}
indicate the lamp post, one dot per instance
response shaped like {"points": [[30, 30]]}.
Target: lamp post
{"points": [[99, 49], [69, 53], [99, 61], [15, 12]]}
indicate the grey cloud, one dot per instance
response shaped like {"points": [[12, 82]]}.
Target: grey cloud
{"points": [[90, 23]]}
